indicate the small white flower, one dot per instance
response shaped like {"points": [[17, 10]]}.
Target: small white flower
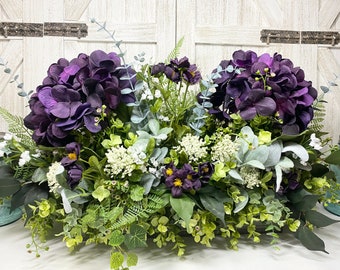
{"points": [[158, 94], [55, 169], [119, 160], [8, 137], [2, 153], [24, 158], [193, 146], [315, 142]]}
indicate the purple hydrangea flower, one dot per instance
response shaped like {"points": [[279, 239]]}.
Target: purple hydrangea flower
{"points": [[264, 85], [72, 94]]}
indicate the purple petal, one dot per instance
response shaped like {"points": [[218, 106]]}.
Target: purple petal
{"points": [[265, 106], [248, 114]]}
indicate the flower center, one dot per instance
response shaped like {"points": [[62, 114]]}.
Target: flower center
{"points": [[72, 156], [189, 177], [205, 170], [178, 182], [169, 171]]}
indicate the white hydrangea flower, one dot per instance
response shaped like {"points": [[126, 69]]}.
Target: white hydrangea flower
{"points": [[225, 149], [251, 176], [193, 146], [119, 160], [315, 142], [24, 158], [55, 169]]}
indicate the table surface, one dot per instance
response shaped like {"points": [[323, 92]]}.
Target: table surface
{"points": [[289, 254]]}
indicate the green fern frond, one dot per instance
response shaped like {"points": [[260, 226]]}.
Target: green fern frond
{"points": [[140, 210], [16, 127], [175, 52], [317, 123], [24, 172]]}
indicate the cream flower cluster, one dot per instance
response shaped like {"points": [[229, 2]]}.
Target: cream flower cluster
{"points": [[119, 160], [53, 170], [224, 149], [251, 176], [193, 146]]}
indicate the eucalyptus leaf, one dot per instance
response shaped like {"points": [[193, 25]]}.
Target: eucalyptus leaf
{"points": [[333, 158], [255, 164], [260, 153], [309, 239], [318, 219], [154, 126], [8, 184], [297, 149], [39, 175], [126, 91], [147, 181], [274, 156], [234, 174], [184, 207], [214, 202]]}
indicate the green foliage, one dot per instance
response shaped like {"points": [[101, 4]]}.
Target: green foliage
{"points": [[176, 51], [309, 239], [184, 207], [8, 183], [16, 126], [136, 238], [139, 210]]}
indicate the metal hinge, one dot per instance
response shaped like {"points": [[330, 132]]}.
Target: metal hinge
{"points": [[300, 37], [78, 30]]}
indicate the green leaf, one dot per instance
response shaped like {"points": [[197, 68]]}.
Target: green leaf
{"points": [[137, 193], [100, 193], [297, 149], [116, 260], [136, 238], [213, 201], [307, 203], [240, 205], [154, 126], [184, 207], [8, 184], [318, 219], [116, 238], [334, 158], [39, 175], [309, 239], [132, 259], [318, 170]]}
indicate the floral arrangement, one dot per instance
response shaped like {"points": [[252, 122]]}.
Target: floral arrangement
{"points": [[126, 155]]}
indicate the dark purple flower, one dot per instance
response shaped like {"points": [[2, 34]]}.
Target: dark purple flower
{"points": [[74, 175], [178, 70], [73, 151], [179, 180], [205, 171], [264, 85], [74, 92]]}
